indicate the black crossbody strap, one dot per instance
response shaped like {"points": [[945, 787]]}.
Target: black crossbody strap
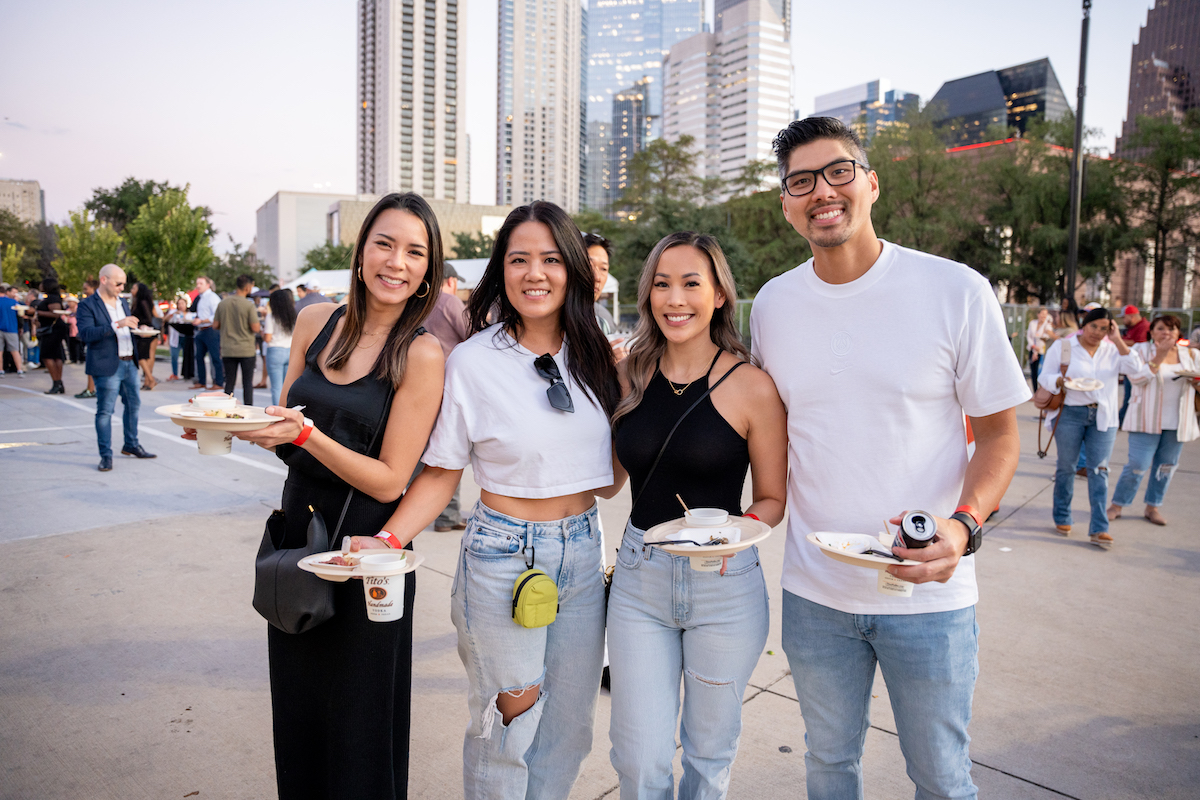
{"points": [[387, 410], [667, 441]]}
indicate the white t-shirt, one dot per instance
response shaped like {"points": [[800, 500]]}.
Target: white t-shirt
{"points": [[279, 337], [124, 337], [876, 375], [496, 416], [1171, 391]]}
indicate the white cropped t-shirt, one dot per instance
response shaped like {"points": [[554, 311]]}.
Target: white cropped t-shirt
{"points": [[496, 417]]}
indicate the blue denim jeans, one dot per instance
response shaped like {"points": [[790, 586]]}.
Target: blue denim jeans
{"points": [[539, 753], [1158, 452], [1077, 432], [668, 622], [125, 382], [929, 662], [175, 360], [277, 363], [209, 341]]}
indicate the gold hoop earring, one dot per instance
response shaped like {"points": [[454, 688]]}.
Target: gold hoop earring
{"points": [[427, 288]]}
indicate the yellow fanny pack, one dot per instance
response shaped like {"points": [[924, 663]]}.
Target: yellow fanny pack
{"points": [[535, 594]]}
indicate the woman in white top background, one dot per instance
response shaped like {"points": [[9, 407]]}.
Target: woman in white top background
{"points": [[1037, 336], [527, 403], [1160, 418], [277, 333], [1087, 420]]}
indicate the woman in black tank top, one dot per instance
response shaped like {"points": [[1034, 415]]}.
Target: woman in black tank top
{"points": [[666, 621]]}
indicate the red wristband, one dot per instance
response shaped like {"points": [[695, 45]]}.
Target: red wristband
{"points": [[752, 516], [390, 539], [305, 432], [970, 510]]}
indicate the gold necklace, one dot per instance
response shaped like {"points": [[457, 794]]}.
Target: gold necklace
{"points": [[679, 392]]}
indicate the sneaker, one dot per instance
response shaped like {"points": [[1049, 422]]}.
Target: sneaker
{"points": [[137, 451], [105, 464], [85, 394], [1101, 540], [20, 373]]}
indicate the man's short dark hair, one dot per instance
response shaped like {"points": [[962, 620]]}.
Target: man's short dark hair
{"points": [[804, 131], [244, 280], [92, 283], [591, 240]]}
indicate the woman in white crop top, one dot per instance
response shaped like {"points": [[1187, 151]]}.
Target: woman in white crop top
{"points": [[527, 403]]}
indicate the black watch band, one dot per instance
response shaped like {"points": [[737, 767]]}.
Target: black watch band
{"points": [[974, 531]]}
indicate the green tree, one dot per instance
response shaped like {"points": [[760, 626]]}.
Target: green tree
{"points": [[754, 177], [1163, 191], [224, 270], [773, 247], [473, 245], [20, 264], [663, 180], [329, 255], [120, 205], [168, 242], [84, 247]]}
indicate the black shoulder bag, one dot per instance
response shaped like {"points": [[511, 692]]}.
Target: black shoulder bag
{"points": [[292, 600]]}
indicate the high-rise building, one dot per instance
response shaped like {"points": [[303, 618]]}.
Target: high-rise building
{"points": [[630, 131], [599, 166], [691, 90], [1010, 97], [782, 9], [410, 134], [25, 199], [1164, 60], [867, 107], [541, 113]]}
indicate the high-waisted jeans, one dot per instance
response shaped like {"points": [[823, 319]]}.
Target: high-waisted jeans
{"points": [[667, 623], [539, 753], [1077, 433]]}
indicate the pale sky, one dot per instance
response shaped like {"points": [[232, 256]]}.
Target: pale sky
{"points": [[243, 99]]}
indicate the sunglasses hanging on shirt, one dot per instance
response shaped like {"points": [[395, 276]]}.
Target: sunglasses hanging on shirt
{"points": [[559, 397]]}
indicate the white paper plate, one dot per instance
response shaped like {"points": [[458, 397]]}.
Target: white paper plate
{"points": [[844, 547], [1083, 384], [185, 416], [145, 333], [1183, 373], [62, 312], [338, 574], [752, 531]]}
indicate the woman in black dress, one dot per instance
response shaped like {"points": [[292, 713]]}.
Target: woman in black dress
{"points": [[51, 341], [341, 692], [143, 308]]}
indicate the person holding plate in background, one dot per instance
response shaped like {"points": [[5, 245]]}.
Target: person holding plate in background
{"points": [[341, 691], [1160, 418], [689, 373], [1087, 421]]}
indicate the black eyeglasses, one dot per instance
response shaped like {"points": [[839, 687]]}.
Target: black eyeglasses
{"points": [[839, 173], [560, 398]]}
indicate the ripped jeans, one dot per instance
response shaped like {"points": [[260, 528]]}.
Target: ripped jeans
{"points": [[1156, 453], [539, 753], [667, 623], [1077, 432]]}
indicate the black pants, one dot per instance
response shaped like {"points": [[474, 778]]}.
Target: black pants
{"points": [[231, 367], [75, 350]]}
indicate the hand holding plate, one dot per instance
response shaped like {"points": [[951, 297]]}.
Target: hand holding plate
{"points": [[283, 432]]}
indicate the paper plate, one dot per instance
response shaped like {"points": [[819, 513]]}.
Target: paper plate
{"points": [[62, 312], [844, 546], [752, 531], [145, 333], [183, 415], [1083, 384], [339, 574], [1183, 373]]}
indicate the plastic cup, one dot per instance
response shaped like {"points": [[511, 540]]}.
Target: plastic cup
{"points": [[214, 400], [214, 443], [891, 585], [706, 517], [383, 585]]}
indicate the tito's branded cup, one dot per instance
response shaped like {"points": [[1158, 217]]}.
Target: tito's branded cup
{"points": [[383, 585]]}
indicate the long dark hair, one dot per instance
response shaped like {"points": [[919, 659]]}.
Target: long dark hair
{"points": [[591, 363], [283, 309], [394, 356], [143, 302]]}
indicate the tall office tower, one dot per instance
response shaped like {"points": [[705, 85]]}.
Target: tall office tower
{"points": [[410, 135], [755, 84], [1164, 59], [691, 86], [630, 131], [599, 166], [782, 9], [1010, 97], [541, 114], [868, 107]]}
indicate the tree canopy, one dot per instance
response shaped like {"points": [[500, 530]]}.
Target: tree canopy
{"points": [[168, 241], [85, 245], [330, 255]]}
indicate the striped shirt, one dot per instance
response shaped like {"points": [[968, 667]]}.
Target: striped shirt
{"points": [[1145, 412]]}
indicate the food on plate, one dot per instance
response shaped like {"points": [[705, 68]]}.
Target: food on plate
{"points": [[341, 561], [221, 413]]}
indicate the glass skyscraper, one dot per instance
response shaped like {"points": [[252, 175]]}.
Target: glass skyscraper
{"points": [[1010, 97], [868, 107]]}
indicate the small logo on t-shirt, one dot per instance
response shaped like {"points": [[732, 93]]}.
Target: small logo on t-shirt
{"points": [[841, 343]]}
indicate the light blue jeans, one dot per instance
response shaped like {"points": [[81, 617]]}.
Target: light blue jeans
{"points": [[123, 382], [668, 622], [277, 363], [175, 359], [539, 753], [1077, 432], [1158, 452], [929, 662]]}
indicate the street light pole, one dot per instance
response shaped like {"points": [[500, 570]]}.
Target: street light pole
{"points": [[1077, 160]]}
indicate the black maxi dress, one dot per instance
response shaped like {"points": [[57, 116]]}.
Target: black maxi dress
{"points": [[341, 692]]}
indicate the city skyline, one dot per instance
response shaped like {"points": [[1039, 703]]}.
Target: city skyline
{"points": [[244, 100]]}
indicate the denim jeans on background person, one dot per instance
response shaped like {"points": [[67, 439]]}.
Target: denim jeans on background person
{"points": [[668, 622], [929, 663], [277, 363], [1156, 452], [126, 383], [208, 341], [1127, 392], [175, 359], [539, 753], [1077, 432]]}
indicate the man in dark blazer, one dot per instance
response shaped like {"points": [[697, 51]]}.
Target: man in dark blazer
{"points": [[105, 323]]}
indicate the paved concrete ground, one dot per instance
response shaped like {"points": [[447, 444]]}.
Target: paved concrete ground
{"points": [[132, 665]]}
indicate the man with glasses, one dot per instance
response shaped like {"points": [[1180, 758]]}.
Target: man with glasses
{"points": [[875, 428], [105, 323]]}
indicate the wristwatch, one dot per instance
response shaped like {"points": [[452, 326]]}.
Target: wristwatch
{"points": [[974, 531]]}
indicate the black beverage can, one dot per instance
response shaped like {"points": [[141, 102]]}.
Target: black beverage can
{"points": [[916, 530]]}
